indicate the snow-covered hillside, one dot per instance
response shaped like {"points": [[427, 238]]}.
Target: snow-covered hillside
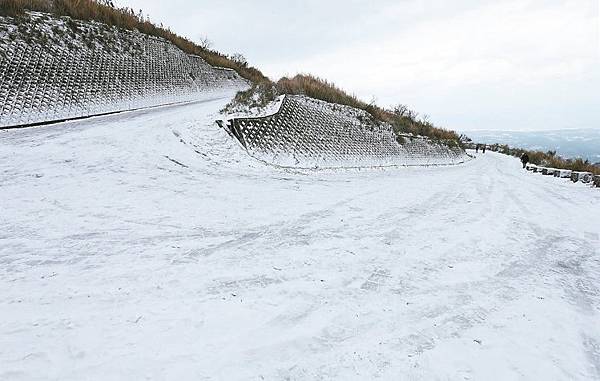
{"points": [[55, 68], [309, 133], [148, 245]]}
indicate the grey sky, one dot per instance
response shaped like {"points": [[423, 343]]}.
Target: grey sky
{"points": [[507, 64]]}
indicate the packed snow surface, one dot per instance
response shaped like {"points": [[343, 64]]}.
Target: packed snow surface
{"points": [[148, 245]]}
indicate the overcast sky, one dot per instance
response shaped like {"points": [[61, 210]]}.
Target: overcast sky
{"points": [[469, 64]]}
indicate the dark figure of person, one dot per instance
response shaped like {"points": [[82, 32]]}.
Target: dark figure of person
{"points": [[477, 148], [484, 148], [524, 159]]}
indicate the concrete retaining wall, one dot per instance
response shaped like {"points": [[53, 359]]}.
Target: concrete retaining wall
{"points": [[574, 176], [56, 68], [309, 133]]}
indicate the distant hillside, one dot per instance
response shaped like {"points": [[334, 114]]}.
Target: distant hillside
{"points": [[570, 143]]}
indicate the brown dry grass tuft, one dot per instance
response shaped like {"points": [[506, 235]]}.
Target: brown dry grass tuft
{"points": [[18, 7], [315, 87]]}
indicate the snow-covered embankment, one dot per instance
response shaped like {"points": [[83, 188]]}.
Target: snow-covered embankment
{"points": [[57, 68], [308, 133]]}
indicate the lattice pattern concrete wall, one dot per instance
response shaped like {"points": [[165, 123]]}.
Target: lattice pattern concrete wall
{"points": [[308, 133], [56, 68]]}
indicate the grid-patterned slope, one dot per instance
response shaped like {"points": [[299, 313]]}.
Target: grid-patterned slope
{"points": [[308, 133], [56, 68]]}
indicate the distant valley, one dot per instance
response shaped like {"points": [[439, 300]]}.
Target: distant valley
{"points": [[569, 143]]}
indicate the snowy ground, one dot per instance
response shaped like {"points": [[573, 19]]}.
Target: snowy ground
{"points": [[148, 246]]}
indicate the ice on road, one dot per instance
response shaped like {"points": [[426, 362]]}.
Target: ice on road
{"points": [[147, 245]]}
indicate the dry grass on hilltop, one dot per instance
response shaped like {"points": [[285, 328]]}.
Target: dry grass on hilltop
{"points": [[401, 118]]}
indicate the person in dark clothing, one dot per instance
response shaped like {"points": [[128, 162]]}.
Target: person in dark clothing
{"points": [[524, 159], [477, 148], [484, 148]]}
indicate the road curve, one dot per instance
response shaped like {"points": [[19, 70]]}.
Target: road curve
{"points": [[149, 245]]}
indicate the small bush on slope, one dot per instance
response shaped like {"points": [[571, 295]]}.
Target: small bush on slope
{"points": [[258, 96]]}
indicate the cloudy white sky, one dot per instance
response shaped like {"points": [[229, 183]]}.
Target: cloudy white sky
{"points": [[469, 64]]}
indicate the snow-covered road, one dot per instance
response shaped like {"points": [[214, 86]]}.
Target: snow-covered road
{"points": [[148, 246]]}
